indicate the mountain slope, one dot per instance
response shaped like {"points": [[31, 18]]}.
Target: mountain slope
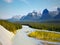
{"points": [[57, 17], [30, 17], [45, 15], [38, 17]]}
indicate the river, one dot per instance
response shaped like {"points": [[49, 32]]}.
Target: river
{"points": [[21, 38]]}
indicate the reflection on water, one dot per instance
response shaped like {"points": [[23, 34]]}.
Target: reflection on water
{"points": [[21, 38]]}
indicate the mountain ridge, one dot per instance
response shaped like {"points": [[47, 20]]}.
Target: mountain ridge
{"points": [[35, 17]]}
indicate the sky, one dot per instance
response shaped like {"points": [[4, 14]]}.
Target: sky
{"points": [[10, 8]]}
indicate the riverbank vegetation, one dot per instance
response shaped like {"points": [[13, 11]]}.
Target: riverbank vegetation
{"points": [[12, 27], [46, 26], [44, 35]]}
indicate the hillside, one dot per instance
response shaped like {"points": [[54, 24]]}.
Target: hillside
{"points": [[46, 26], [12, 27]]}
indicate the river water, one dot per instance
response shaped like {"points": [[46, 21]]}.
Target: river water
{"points": [[21, 38]]}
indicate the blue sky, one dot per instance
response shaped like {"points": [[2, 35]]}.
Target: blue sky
{"points": [[9, 8]]}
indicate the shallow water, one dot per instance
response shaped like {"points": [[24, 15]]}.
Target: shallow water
{"points": [[21, 38], [5, 36]]}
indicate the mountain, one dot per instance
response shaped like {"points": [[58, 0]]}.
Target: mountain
{"points": [[53, 13], [15, 18], [45, 15], [57, 17], [38, 17], [30, 17]]}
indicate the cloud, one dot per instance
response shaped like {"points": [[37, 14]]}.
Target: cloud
{"points": [[55, 7], [25, 1], [8, 1]]}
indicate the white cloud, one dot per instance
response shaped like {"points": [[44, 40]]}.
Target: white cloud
{"points": [[25, 1], [53, 8], [8, 1]]}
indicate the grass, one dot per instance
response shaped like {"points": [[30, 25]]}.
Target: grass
{"points": [[46, 26], [43, 35], [12, 27]]}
